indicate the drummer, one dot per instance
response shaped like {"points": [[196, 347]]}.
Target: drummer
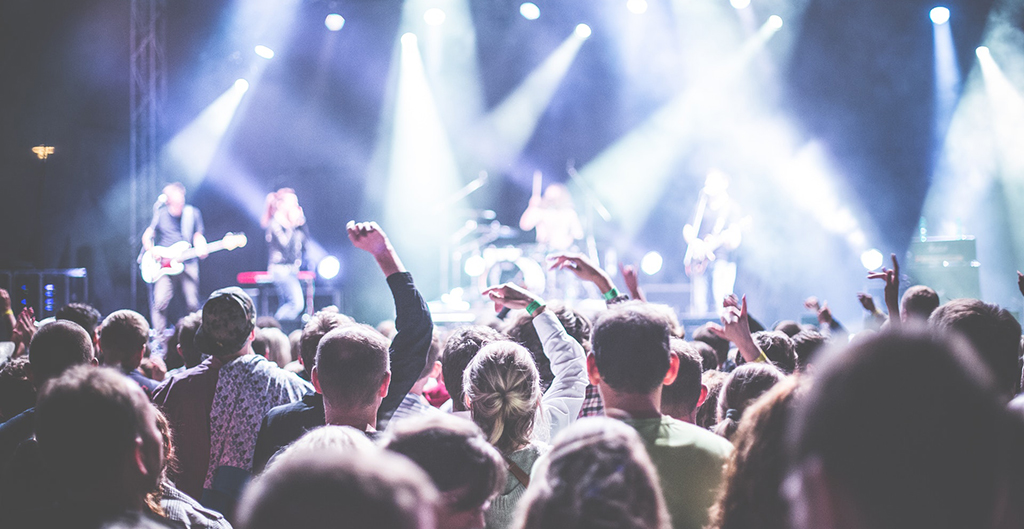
{"points": [[553, 215]]}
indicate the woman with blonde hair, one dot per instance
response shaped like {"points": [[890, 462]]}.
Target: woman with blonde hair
{"points": [[286, 238], [597, 475]]}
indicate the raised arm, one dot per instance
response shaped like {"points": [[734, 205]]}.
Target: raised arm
{"points": [[579, 265], [892, 290], [412, 317], [736, 328]]}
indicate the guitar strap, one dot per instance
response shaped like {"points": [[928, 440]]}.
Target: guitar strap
{"points": [[188, 223]]}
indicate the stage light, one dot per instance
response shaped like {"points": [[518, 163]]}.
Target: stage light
{"points": [[264, 52], [328, 267], [409, 40], [583, 31], [872, 259], [242, 85], [651, 263], [740, 4], [434, 16], [334, 22], [475, 266], [637, 7], [983, 52], [939, 15], [530, 11], [775, 21]]}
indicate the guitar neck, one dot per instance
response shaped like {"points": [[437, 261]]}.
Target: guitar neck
{"points": [[191, 253]]}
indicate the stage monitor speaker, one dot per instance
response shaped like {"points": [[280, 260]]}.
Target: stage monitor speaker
{"points": [[45, 291], [949, 266]]}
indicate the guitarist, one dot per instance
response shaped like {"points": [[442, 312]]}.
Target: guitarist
{"points": [[175, 221], [710, 239]]}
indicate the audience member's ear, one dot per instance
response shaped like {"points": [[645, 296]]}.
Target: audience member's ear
{"points": [[592, 373], [140, 458], [467, 402], [384, 384], [314, 378], [435, 371], [703, 396], [673, 370]]}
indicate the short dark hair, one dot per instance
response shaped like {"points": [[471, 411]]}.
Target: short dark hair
{"points": [[87, 420], [327, 488], [433, 353], [919, 302], [684, 393], [708, 356], [631, 347], [787, 327], [719, 344], [462, 345], [57, 346], [320, 324], [743, 386], [778, 347], [885, 407], [124, 333], [994, 333], [807, 344], [81, 313], [185, 333], [454, 453], [522, 331], [351, 363]]}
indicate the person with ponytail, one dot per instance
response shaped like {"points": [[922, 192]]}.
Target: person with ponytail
{"points": [[745, 384]]}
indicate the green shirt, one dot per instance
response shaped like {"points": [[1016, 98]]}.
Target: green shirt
{"points": [[690, 461]]}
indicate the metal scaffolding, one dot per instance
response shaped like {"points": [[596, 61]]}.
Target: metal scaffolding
{"points": [[147, 94]]}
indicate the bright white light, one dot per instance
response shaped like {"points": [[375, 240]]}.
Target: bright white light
{"points": [[434, 16], [983, 52], [871, 259], [775, 21], [939, 15], [530, 11], [409, 39], [334, 22], [329, 267], [475, 266], [583, 31], [264, 52], [637, 7], [651, 263], [740, 4], [242, 85]]}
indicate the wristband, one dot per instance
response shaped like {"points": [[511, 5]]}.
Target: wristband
{"points": [[9, 312], [533, 307], [611, 294]]}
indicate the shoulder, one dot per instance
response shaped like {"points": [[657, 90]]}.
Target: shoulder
{"points": [[679, 434], [181, 382]]}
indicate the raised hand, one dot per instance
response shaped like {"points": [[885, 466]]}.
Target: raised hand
{"points": [[867, 302], [25, 328], [631, 278], [892, 289], [511, 296], [735, 327], [368, 236], [578, 264]]}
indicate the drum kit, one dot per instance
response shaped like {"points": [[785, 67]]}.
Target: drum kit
{"points": [[483, 250]]}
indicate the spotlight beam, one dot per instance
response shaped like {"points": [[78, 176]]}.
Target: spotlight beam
{"points": [[187, 157]]}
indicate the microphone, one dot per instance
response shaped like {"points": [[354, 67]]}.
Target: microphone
{"points": [[162, 199]]}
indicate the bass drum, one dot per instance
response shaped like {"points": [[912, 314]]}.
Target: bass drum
{"points": [[510, 265]]}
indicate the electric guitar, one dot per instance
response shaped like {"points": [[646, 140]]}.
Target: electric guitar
{"points": [[161, 261]]}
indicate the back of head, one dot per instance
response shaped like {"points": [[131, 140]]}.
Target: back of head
{"points": [[807, 344], [124, 333], [522, 331], [503, 388], [918, 303], [708, 357], [719, 344], [332, 488], [787, 327], [185, 331], [993, 332], [329, 437], [778, 347], [279, 349], [463, 344], [351, 364], [752, 497], [433, 354], [228, 321], [464, 467], [743, 386], [909, 430], [81, 313], [87, 424], [320, 324], [57, 346], [598, 474], [707, 415], [681, 397], [631, 348]]}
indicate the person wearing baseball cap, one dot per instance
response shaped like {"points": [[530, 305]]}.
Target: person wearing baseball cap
{"points": [[215, 408]]}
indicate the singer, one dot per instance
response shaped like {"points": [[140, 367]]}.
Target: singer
{"points": [[286, 239], [174, 221]]}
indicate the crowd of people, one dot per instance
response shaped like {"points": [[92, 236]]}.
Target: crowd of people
{"points": [[550, 418]]}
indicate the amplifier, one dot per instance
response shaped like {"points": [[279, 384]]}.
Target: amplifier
{"points": [[45, 290]]}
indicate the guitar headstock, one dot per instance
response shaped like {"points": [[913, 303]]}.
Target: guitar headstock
{"points": [[234, 240]]}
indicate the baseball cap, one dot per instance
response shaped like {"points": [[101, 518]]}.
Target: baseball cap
{"points": [[228, 320]]}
